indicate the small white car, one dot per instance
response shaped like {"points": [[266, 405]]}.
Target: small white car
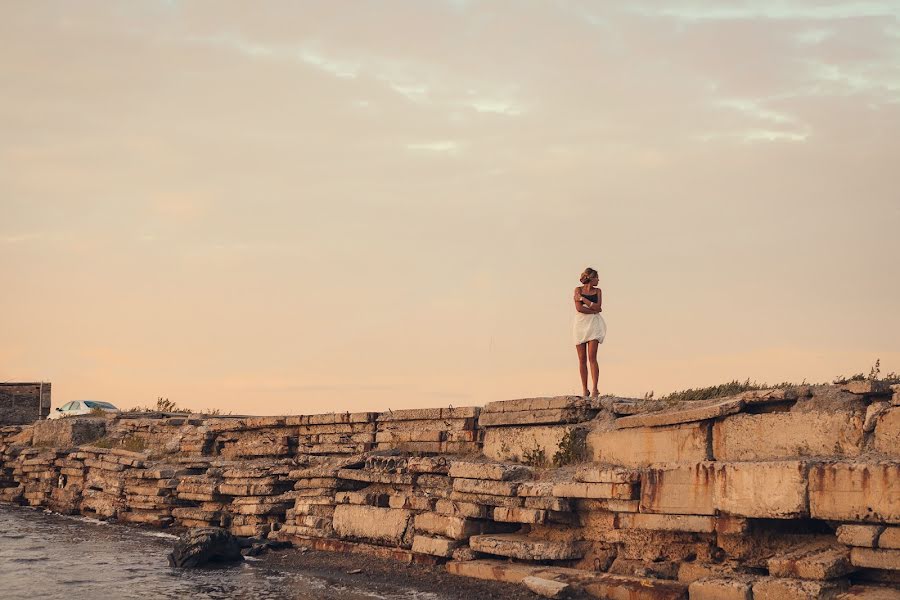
{"points": [[81, 407]]}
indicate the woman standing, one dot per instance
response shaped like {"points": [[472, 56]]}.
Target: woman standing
{"points": [[589, 328]]}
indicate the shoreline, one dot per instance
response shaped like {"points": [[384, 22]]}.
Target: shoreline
{"points": [[385, 575], [358, 572]]}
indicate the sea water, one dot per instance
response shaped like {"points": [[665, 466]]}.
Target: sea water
{"points": [[49, 556]]}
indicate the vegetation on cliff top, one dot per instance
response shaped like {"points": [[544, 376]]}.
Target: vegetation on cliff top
{"points": [[168, 406], [734, 387]]}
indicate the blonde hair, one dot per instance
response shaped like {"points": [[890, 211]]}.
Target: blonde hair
{"points": [[587, 275]]}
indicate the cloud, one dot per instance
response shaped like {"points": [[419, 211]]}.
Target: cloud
{"points": [[486, 104], [766, 9], [439, 146], [339, 68], [21, 238], [274, 153]]}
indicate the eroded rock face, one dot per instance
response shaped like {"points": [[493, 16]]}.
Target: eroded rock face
{"points": [[206, 545], [68, 432], [740, 504]]}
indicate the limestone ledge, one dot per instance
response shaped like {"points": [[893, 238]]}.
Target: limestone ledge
{"points": [[772, 494]]}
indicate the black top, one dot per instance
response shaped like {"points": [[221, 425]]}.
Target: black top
{"points": [[591, 297]]}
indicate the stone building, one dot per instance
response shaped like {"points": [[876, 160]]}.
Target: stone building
{"points": [[24, 403]]}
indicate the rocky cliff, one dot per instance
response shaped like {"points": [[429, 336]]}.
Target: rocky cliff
{"points": [[773, 494]]}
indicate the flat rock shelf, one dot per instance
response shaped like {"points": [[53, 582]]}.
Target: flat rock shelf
{"points": [[784, 493]]}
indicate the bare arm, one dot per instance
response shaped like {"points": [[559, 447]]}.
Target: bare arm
{"points": [[597, 306], [586, 306], [581, 304]]}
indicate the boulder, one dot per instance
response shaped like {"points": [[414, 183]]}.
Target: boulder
{"points": [[68, 432], [206, 545]]}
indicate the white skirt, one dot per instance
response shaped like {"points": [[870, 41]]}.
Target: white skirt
{"points": [[588, 327]]}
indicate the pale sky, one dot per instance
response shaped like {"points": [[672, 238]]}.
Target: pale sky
{"points": [[300, 207]]}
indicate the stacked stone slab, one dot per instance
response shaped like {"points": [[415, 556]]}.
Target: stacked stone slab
{"points": [[315, 484], [199, 441], [873, 548], [392, 493], [445, 529], [313, 509], [533, 430], [67, 495], [334, 433], [254, 437], [560, 519], [485, 504], [742, 484], [150, 495], [8, 434], [104, 479], [429, 430], [10, 488], [785, 493], [381, 493], [39, 475], [257, 501], [164, 432], [199, 502]]}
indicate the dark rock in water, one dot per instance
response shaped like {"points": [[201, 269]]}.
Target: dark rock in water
{"points": [[256, 550], [205, 545], [257, 546], [247, 542]]}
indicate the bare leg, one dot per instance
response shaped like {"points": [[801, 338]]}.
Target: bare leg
{"points": [[595, 367], [582, 367]]}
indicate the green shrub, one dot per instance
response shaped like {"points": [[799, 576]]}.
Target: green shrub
{"points": [[720, 391], [874, 375], [535, 457], [169, 406], [572, 448]]}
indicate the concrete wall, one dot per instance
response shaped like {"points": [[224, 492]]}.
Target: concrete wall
{"points": [[24, 403]]}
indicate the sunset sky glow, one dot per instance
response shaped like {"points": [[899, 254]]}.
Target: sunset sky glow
{"points": [[302, 207]]}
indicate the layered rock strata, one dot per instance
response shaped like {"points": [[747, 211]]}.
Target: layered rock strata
{"points": [[788, 493]]}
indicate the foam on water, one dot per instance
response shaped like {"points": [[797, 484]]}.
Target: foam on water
{"points": [[160, 534], [57, 557]]}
